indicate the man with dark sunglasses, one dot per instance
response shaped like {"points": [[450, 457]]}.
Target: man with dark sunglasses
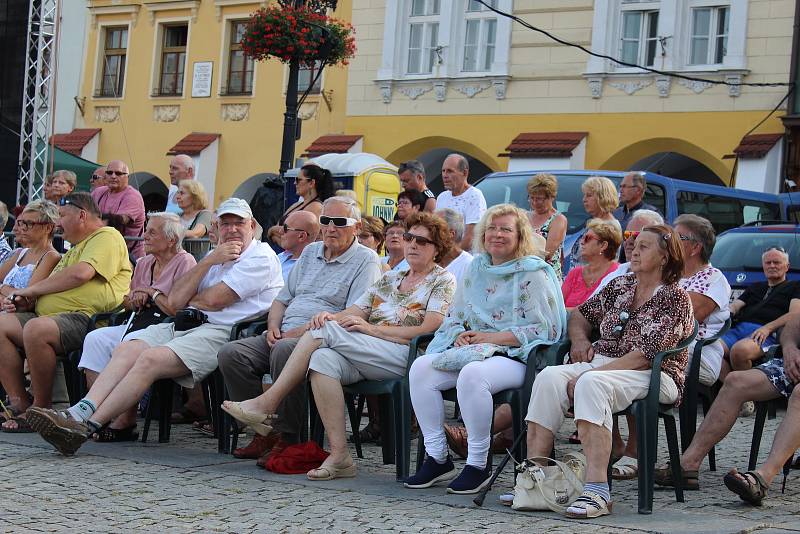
{"points": [[98, 178], [300, 230], [122, 206]]}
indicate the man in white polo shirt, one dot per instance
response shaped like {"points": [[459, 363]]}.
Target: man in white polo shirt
{"points": [[237, 280], [461, 196]]}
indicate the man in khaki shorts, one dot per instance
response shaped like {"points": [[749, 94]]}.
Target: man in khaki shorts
{"points": [[51, 317], [235, 281]]}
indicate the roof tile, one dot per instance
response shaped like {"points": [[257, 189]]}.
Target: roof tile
{"points": [[330, 144], [757, 145], [193, 144], [74, 141], [544, 144]]}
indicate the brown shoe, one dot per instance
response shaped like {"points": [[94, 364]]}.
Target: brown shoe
{"points": [[457, 439], [276, 448], [258, 446], [64, 433]]}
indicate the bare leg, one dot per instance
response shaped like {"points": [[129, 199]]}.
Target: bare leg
{"points": [[726, 362], [739, 387], [540, 440], [42, 340], [743, 353], [122, 361], [91, 376], [596, 442], [330, 403], [11, 365], [786, 440], [293, 374], [502, 421]]}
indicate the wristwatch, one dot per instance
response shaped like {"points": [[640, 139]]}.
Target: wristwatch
{"points": [[156, 294]]}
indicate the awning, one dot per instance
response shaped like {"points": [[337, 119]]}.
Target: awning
{"points": [[331, 144], [76, 140], [193, 144], [64, 161], [544, 145], [756, 146]]}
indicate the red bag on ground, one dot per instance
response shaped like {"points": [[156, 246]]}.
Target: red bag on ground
{"points": [[297, 459]]}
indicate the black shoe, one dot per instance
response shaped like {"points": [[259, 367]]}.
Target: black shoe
{"points": [[430, 473], [471, 480]]}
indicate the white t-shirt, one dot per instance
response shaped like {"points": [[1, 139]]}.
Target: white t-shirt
{"points": [[172, 207], [622, 270], [459, 265], [256, 277], [470, 204]]}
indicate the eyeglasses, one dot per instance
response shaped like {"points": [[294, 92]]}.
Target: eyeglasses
{"points": [[623, 320], [27, 225], [686, 237], [116, 173], [286, 229], [589, 237], [94, 178], [408, 237], [339, 222], [628, 234], [500, 229]]}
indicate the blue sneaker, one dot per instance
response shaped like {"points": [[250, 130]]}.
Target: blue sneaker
{"points": [[471, 480], [430, 473]]}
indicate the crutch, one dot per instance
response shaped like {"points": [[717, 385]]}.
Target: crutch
{"points": [[478, 500]]}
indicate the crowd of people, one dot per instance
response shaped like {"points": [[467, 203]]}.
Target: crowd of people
{"points": [[349, 292]]}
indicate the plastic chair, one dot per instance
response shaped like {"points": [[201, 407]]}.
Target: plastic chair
{"points": [[695, 391], [74, 378]]}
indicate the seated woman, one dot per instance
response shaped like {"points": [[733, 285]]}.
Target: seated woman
{"points": [[510, 302], [545, 218], [367, 341], [164, 262], [395, 250], [409, 202], [599, 246], [193, 200], [638, 315]]}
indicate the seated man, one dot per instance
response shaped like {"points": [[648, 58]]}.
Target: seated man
{"points": [[300, 230], [51, 317], [348, 269], [758, 313], [122, 206], [237, 280], [771, 380]]}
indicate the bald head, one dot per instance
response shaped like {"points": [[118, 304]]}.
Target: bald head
{"points": [[181, 167], [300, 229], [116, 176], [305, 220]]}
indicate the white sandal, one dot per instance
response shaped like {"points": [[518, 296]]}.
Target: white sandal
{"points": [[626, 468], [588, 506]]}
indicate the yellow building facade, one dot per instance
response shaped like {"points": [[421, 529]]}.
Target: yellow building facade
{"points": [[433, 76], [154, 72]]}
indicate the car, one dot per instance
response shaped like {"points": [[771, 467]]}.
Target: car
{"points": [[738, 251]]}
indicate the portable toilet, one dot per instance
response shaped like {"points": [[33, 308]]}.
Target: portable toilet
{"points": [[373, 179]]}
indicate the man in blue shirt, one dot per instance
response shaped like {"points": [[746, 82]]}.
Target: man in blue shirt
{"points": [[300, 229], [631, 192]]}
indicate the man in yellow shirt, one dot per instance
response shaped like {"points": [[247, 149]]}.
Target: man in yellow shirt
{"points": [[51, 317]]}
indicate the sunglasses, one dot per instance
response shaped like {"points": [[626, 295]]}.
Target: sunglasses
{"points": [[286, 229], [64, 202], [94, 178], [339, 222], [623, 320], [408, 237], [588, 237], [778, 248], [116, 173], [685, 237], [628, 234]]}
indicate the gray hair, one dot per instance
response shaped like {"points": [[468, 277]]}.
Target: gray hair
{"points": [[70, 177], [48, 211], [413, 165], [355, 212], [4, 215], [650, 217], [702, 232], [454, 220], [638, 179], [185, 160], [463, 164], [173, 229], [779, 251]]}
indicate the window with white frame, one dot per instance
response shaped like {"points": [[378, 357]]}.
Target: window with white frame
{"points": [[480, 34], [240, 66], [115, 51], [423, 36], [709, 35], [308, 74], [173, 60], [638, 35]]}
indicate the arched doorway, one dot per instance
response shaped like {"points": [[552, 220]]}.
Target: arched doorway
{"points": [[248, 188], [678, 166], [152, 189]]}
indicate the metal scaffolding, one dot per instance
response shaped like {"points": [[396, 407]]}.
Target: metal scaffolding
{"points": [[37, 101]]}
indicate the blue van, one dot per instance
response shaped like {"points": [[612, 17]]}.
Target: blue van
{"points": [[725, 207]]}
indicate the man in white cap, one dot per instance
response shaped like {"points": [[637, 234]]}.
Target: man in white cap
{"points": [[237, 280]]}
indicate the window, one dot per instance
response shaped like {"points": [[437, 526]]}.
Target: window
{"points": [[423, 36], [307, 75], [479, 37], [240, 66], [173, 60], [639, 37], [709, 38], [115, 49], [726, 212]]}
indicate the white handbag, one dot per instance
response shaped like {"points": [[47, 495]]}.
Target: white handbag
{"points": [[547, 484]]}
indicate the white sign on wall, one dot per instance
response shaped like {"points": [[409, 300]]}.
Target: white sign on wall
{"points": [[201, 79]]}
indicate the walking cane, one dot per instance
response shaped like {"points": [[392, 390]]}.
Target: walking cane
{"points": [[128, 325], [478, 500]]}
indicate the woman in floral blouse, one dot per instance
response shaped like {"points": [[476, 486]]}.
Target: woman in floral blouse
{"points": [[367, 341], [638, 315], [509, 303]]}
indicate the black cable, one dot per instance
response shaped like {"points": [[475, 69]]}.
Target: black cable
{"points": [[626, 64], [313, 83], [754, 128]]}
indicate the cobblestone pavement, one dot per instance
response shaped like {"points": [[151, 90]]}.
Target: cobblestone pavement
{"points": [[185, 486]]}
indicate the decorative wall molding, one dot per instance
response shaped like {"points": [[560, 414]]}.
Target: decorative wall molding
{"points": [[106, 113], [308, 110], [440, 90], [734, 90], [663, 84], [500, 87], [219, 4], [166, 113], [472, 89], [695, 86], [235, 112], [466, 86], [595, 86], [631, 86], [154, 7], [415, 91], [386, 91], [630, 83], [133, 11]]}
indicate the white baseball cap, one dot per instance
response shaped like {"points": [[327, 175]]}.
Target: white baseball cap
{"points": [[235, 206]]}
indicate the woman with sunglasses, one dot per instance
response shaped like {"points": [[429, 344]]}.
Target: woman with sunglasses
{"points": [[638, 315], [314, 185], [510, 302], [599, 246], [366, 341], [33, 231]]}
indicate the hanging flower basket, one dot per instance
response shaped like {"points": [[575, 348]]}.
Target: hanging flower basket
{"points": [[288, 32]]}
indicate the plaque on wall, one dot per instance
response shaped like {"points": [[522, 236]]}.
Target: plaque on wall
{"points": [[201, 79]]}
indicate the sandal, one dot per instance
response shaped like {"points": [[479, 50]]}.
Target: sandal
{"points": [[256, 421], [369, 434], [23, 427], [588, 506], [184, 417], [574, 439], [456, 439], [691, 480], [626, 468], [203, 426], [116, 435], [330, 472], [750, 486]]}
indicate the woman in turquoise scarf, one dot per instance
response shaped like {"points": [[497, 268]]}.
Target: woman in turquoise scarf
{"points": [[509, 303]]}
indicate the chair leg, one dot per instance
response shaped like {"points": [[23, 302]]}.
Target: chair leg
{"points": [[758, 429], [165, 410], [516, 427], [387, 417], [148, 415], [647, 429], [402, 446], [712, 455], [674, 455], [354, 412]]}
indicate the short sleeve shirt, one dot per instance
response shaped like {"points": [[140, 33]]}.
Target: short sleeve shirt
{"points": [[711, 283], [775, 304], [470, 204], [179, 265], [126, 202], [460, 265], [201, 217], [105, 250], [388, 306]]}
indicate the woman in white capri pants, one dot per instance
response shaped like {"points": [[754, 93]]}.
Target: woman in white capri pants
{"points": [[164, 262], [367, 341], [638, 315], [510, 302]]}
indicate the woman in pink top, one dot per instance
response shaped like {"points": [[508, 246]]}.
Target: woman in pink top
{"points": [[599, 247]]}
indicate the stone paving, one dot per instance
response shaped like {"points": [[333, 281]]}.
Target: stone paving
{"points": [[185, 486]]}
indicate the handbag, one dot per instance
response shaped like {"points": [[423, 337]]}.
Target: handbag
{"points": [[147, 316], [549, 484]]}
